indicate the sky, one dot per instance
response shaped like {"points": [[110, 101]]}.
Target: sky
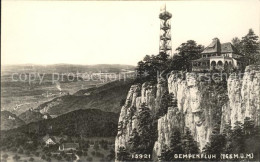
{"points": [[114, 32]]}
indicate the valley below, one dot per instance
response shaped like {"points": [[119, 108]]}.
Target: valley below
{"points": [[39, 116]]}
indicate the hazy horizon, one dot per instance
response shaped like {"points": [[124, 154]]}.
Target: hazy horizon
{"points": [[39, 64], [113, 32]]}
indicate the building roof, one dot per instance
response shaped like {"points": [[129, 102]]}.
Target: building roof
{"points": [[228, 48], [70, 145], [53, 138], [216, 47], [46, 137]]}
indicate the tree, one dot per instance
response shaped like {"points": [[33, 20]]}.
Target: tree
{"points": [[122, 155], [237, 138], [89, 159], [165, 154], [148, 68], [105, 146], [31, 159], [43, 157], [79, 153], [111, 155], [134, 141], [5, 156], [176, 144], [140, 69], [122, 102], [27, 152], [96, 146], [189, 144], [248, 126], [162, 59], [48, 159], [237, 44], [20, 151], [175, 147], [16, 157], [186, 52], [166, 102], [227, 132], [146, 130], [37, 154], [13, 149], [217, 142], [59, 157], [249, 46], [146, 58]]}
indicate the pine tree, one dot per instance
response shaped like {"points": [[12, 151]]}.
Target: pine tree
{"points": [[227, 132], [189, 144], [165, 154], [134, 141], [238, 138], [166, 102], [249, 46], [237, 43], [187, 51], [248, 126], [217, 142], [176, 144], [145, 129], [122, 154], [140, 69]]}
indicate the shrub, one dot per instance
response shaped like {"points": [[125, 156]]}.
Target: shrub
{"points": [[37, 154], [58, 157], [27, 153], [16, 157], [93, 153], [48, 159], [13, 149], [85, 153], [5, 156], [20, 151], [43, 157], [89, 159], [79, 153]]}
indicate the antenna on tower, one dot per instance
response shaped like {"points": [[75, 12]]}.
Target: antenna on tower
{"points": [[165, 44]]}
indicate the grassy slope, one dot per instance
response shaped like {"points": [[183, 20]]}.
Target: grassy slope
{"points": [[88, 123], [7, 123], [31, 116]]}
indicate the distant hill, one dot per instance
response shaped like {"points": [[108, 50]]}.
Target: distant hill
{"points": [[87, 123], [105, 98], [65, 68], [10, 121]]}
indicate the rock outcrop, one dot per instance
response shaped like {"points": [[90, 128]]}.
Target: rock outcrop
{"points": [[201, 105], [244, 97]]}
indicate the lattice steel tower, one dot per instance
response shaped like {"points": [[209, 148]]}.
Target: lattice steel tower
{"points": [[165, 44]]}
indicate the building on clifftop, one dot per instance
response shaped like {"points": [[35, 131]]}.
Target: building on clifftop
{"points": [[218, 56]]}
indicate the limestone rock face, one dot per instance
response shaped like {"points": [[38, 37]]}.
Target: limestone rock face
{"points": [[192, 112], [200, 106], [137, 95], [244, 97]]}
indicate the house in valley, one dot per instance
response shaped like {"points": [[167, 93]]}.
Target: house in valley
{"points": [[50, 140], [68, 146]]}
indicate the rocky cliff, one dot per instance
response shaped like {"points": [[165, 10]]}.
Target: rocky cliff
{"points": [[244, 97], [201, 105]]}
